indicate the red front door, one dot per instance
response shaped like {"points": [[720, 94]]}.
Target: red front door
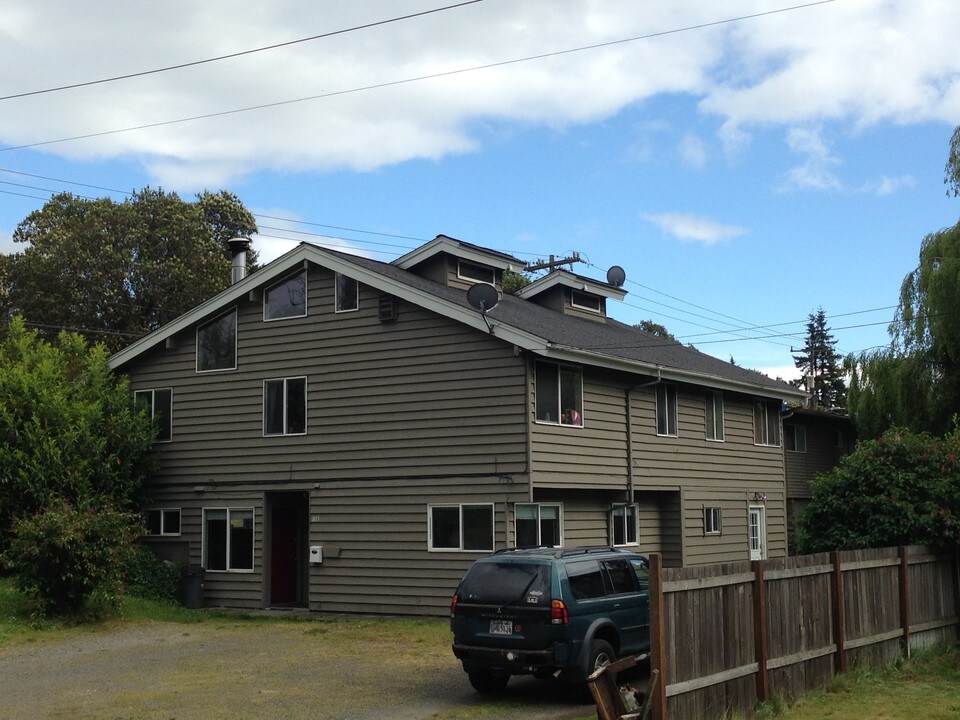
{"points": [[285, 556]]}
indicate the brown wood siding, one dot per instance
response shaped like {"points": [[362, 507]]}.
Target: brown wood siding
{"points": [[420, 396], [822, 455], [233, 589], [717, 474], [374, 534], [592, 456]]}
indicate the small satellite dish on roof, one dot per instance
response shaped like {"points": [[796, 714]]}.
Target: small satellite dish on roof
{"points": [[616, 276], [483, 297]]}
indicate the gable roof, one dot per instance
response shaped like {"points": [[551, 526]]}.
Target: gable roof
{"points": [[465, 250], [547, 333], [571, 280]]}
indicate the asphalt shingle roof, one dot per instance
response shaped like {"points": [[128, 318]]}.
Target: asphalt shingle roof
{"points": [[612, 338]]}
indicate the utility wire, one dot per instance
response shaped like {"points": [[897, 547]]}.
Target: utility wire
{"points": [[194, 63], [406, 81]]}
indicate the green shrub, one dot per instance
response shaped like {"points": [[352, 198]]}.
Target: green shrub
{"points": [[900, 489], [65, 556], [149, 577]]}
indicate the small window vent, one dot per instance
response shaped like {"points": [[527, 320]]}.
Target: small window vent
{"points": [[388, 308]]}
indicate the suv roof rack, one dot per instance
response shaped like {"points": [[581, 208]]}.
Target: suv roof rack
{"points": [[561, 552]]}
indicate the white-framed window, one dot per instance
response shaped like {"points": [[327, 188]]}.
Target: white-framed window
{"points": [[538, 524], [476, 273], [712, 521], [559, 394], [217, 344], [667, 409], [159, 404], [162, 521], [460, 527], [286, 299], [348, 294], [766, 423], [794, 438], [228, 539], [285, 406], [624, 525], [585, 301], [714, 415]]}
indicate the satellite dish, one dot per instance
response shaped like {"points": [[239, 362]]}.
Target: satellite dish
{"points": [[616, 276], [483, 297]]}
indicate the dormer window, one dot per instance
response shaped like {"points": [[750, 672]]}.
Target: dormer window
{"points": [[585, 301], [475, 273]]}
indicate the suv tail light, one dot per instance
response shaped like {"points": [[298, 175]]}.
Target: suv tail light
{"points": [[558, 613], [453, 606]]}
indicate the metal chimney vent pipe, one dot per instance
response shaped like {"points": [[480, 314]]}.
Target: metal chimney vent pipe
{"points": [[238, 251]]}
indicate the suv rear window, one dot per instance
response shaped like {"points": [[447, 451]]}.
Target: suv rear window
{"points": [[507, 583], [586, 581]]}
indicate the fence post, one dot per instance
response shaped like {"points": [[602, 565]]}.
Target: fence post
{"points": [[760, 629], [904, 599], [658, 628], [956, 586], [836, 599]]}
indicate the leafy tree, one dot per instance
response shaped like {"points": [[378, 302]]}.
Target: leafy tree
{"points": [[515, 281], [951, 173], [68, 429], [655, 328], [120, 270], [820, 364], [900, 489], [915, 382]]}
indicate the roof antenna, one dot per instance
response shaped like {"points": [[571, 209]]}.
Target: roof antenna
{"points": [[483, 297]]}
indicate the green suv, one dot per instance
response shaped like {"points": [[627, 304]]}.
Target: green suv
{"points": [[549, 612]]}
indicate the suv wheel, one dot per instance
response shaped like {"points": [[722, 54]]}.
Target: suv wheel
{"points": [[484, 681], [601, 655]]}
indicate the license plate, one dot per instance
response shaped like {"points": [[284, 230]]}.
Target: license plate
{"points": [[501, 627]]}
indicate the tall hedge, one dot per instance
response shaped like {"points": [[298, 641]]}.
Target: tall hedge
{"points": [[902, 488], [70, 436]]}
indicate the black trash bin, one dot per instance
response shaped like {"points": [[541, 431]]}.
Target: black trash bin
{"points": [[191, 590]]}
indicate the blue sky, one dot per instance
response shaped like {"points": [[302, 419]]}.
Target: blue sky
{"points": [[743, 173]]}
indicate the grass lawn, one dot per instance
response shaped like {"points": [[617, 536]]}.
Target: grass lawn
{"points": [[926, 687]]}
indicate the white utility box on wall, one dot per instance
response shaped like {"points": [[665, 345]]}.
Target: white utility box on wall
{"points": [[316, 554]]}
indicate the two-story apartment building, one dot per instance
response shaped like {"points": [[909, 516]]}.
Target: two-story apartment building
{"points": [[814, 440], [345, 434]]}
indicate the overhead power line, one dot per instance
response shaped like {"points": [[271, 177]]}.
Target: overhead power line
{"points": [[406, 81], [241, 53]]}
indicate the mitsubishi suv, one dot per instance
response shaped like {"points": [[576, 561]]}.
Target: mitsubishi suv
{"points": [[561, 612]]}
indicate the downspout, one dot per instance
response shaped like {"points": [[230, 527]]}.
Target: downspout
{"points": [[629, 391], [529, 387]]}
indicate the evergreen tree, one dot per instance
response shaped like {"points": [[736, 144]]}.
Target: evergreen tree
{"points": [[821, 365]]}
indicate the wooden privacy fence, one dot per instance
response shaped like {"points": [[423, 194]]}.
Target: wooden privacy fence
{"points": [[727, 636]]}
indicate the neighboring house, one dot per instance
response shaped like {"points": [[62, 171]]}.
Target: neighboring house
{"points": [[813, 443], [345, 434]]}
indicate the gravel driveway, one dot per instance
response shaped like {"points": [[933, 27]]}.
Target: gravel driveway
{"points": [[260, 670]]}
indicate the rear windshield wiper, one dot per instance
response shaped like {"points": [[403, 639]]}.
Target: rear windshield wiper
{"points": [[523, 593]]}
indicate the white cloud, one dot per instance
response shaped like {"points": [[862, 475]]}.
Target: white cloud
{"points": [[281, 231], [815, 171], [693, 151], [861, 62], [888, 185], [693, 228], [7, 246]]}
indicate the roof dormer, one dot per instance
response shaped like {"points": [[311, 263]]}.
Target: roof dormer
{"points": [[458, 264], [572, 294]]}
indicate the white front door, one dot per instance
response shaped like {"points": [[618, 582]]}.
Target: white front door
{"points": [[757, 532]]}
